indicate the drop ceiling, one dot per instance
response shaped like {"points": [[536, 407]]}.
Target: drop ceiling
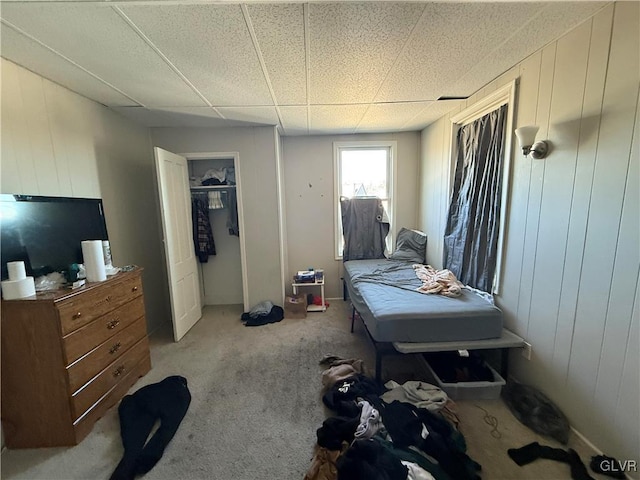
{"points": [[310, 68]]}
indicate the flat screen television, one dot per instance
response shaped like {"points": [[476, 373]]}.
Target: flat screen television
{"points": [[45, 232]]}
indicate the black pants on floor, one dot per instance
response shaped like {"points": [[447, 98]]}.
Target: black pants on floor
{"points": [[167, 402]]}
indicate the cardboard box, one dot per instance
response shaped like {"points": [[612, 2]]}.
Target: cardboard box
{"points": [[295, 306]]}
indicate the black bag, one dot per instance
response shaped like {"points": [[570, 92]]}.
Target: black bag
{"points": [[536, 411]]}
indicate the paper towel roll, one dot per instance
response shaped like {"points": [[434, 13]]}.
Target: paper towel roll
{"points": [[93, 260], [16, 270], [13, 289]]}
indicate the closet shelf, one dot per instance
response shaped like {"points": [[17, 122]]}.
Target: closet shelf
{"points": [[206, 188]]}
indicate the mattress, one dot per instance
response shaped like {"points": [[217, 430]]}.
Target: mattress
{"points": [[384, 293]]}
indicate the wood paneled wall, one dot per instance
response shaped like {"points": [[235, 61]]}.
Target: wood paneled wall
{"points": [[57, 143], [571, 263]]}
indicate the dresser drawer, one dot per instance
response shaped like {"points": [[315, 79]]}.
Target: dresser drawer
{"points": [[83, 424], [79, 310], [92, 363], [83, 340], [88, 395]]}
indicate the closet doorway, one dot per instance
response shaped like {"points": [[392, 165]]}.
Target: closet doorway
{"points": [[193, 283], [214, 182]]}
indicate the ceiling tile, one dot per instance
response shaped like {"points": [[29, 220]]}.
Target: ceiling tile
{"points": [[257, 115], [389, 117], [294, 120], [448, 41], [212, 48], [280, 33], [354, 45], [100, 40], [178, 117], [334, 118], [432, 112], [554, 20], [33, 56]]}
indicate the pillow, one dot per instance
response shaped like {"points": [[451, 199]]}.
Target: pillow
{"points": [[411, 246]]}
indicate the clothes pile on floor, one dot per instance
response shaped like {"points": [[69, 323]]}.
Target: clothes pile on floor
{"points": [[395, 432], [167, 402], [261, 314]]}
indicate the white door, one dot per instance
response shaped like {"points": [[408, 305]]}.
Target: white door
{"points": [[175, 205]]}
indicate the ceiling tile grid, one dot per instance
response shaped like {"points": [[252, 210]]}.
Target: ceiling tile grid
{"points": [[211, 46], [294, 120], [195, 117], [258, 115], [353, 47], [389, 116], [335, 118], [452, 38], [432, 112], [280, 33], [33, 56], [98, 39], [549, 24], [311, 68]]}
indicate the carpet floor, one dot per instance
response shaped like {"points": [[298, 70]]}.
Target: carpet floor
{"points": [[256, 406]]}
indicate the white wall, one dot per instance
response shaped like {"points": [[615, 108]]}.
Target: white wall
{"points": [[571, 262], [309, 193], [55, 142], [257, 174]]}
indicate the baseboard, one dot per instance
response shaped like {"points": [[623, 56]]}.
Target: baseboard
{"points": [[595, 449]]}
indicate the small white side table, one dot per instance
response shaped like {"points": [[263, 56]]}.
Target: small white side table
{"points": [[312, 308]]}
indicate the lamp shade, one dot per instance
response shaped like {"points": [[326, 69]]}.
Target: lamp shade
{"points": [[527, 135]]}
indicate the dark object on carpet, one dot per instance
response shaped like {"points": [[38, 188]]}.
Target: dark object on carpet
{"points": [[166, 401], [342, 396], [368, 460], [335, 430], [275, 315], [408, 426], [536, 411], [613, 468], [533, 451]]}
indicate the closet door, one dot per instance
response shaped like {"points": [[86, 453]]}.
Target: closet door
{"points": [[175, 205]]}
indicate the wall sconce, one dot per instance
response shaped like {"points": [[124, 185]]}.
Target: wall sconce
{"points": [[527, 139]]}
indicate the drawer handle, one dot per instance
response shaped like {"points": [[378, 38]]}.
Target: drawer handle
{"points": [[118, 371], [134, 289], [77, 315], [108, 299], [115, 348], [113, 324]]}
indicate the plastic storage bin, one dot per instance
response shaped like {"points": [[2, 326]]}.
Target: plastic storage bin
{"points": [[470, 390]]}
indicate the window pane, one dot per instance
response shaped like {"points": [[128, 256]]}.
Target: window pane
{"points": [[364, 173]]}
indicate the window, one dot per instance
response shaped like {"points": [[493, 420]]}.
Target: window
{"points": [[363, 169], [474, 236]]}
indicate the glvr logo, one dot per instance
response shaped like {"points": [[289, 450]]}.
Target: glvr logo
{"points": [[612, 465]]}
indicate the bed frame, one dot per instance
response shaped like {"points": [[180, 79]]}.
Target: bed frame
{"points": [[505, 342]]}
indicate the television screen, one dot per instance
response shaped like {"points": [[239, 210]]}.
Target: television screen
{"points": [[45, 232]]}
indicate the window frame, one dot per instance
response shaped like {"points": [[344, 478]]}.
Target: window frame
{"points": [[505, 95], [338, 147]]}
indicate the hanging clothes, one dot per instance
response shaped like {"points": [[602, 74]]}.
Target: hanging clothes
{"points": [[202, 233], [365, 227], [215, 200], [232, 206]]}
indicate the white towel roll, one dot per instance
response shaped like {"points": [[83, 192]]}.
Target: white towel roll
{"points": [[16, 270], [94, 260], [13, 289]]}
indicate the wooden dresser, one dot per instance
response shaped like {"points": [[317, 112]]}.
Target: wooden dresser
{"points": [[68, 356]]}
